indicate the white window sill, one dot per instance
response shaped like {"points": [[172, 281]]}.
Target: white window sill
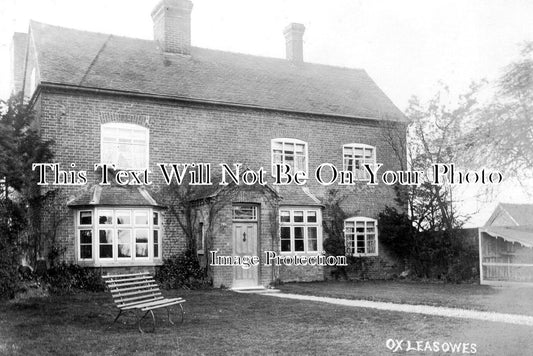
{"points": [[121, 263], [364, 255]]}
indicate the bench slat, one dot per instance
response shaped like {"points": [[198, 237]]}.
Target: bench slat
{"points": [[126, 275], [154, 303], [163, 305], [132, 279], [119, 299], [116, 289], [136, 292], [137, 302], [118, 284]]}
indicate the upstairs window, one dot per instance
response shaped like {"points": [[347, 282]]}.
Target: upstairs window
{"points": [[291, 152], [361, 236], [125, 145], [355, 155]]}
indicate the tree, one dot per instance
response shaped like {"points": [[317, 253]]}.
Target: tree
{"points": [[433, 133], [425, 236], [501, 133], [20, 147]]}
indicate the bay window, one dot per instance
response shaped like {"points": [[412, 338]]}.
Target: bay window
{"points": [[123, 236]]}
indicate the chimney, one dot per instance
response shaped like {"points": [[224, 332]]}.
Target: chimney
{"points": [[294, 42], [172, 25]]}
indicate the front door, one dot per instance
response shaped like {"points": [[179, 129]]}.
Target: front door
{"points": [[245, 244]]}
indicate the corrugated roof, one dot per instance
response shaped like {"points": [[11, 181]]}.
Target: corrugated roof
{"points": [[520, 234], [87, 59]]}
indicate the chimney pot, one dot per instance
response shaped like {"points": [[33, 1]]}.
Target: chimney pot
{"points": [[294, 33], [172, 25]]}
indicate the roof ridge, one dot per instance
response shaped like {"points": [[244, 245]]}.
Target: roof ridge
{"points": [[280, 59]]}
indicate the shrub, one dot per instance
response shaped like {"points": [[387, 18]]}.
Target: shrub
{"points": [[9, 275], [11, 224], [182, 271], [444, 255], [66, 278]]}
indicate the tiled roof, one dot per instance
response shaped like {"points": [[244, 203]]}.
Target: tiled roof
{"points": [[296, 195], [113, 195], [87, 59]]}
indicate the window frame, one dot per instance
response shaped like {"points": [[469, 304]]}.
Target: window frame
{"points": [[360, 174], [125, 126], [293, 141], [305, 224], [115, 227], [365, 220]]}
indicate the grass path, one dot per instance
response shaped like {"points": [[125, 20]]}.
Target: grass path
{"points": [[418, 309]]}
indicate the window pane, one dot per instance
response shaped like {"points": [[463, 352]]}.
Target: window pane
{"points": [[105, 217], [241, 212], [123, 217], [284, 216], [141, 243], [106, 251], [86, 217], [86, 252], [106, 236], [86, 236], [141, 218], [312, 238], [285, 238], [371, 244], [298, 216], [156, 243], [156, 218], [124, 243], [311, 216], [298, 238]]}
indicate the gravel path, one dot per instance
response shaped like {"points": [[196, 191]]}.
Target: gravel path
{"points": [[419, 309]]}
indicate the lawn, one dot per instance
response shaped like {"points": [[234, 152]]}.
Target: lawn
{"points": [[515, 300], [220, 322]]}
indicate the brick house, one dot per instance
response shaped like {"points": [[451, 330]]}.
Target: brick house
{"points": [[136, 103]]}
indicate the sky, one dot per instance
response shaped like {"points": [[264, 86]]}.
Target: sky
{"points": [[406, 46]]}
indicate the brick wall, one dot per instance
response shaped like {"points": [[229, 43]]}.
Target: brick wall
{"points": [[184, 132]]}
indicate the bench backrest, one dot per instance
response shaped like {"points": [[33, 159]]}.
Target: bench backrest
{"points": [[134, 288]]}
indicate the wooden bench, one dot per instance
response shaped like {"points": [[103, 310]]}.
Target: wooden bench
{"points": [[139, 292]]}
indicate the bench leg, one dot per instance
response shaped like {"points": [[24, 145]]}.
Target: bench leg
{"points": [[182, 314], [153, 319], [116, 318]]}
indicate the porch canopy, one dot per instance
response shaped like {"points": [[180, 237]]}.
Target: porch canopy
{"points": [[521, 234]]}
